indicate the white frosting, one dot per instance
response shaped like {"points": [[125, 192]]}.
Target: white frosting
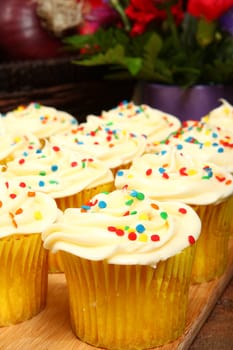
{"points": [[221, 116], [205, 141], [23, 211], [112, 146], [156, 125], [58, 171], [124, 227], [171, 174], [43, 121]]}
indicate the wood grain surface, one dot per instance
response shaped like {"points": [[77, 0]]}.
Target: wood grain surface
{"points": [[50, 330]]}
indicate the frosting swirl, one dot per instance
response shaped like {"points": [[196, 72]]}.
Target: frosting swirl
{"points": [[142, 119], [42, 121], [112, 146], [173, 175], [205, 141], [221, 116], [23, 211], [124, 227], [58, 171]]}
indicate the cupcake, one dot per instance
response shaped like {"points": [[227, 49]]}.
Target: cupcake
{"points": [[142, 119], [127, 261], [116, 148], [23, 259], [42, 121], [171, 174], [69, 177]]}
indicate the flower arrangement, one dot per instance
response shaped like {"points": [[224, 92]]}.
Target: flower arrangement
{"points": [[167, 41]]}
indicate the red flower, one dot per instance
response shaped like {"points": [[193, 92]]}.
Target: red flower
{"points": [[209, 9], [142, 13]]}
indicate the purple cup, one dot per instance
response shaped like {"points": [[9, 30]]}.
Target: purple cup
{"points": [[184, 103]]}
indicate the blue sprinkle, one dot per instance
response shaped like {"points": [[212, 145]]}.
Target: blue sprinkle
{"points": [[220, 150], [133, 193], [215, 144], [163, 152], [25, 154], [38, 151], [161, 170], [179, 146], [214, 135], [102, 204], [54, 167], [41, 183], [120, 173], [140, 228], [86, 207]]}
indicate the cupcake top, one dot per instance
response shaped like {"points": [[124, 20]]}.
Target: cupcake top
{"points": [[208, 142], [43, 121], [124, 227], [221, 116], [173, 175], [112, 146], [140, 119], [23, 211], [58, 171]]}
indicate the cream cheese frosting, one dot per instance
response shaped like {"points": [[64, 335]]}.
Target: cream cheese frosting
{"points": [[156, 125], [124, 227], [43, 121], [23, 211], [58, 171], [173, 175], [208, 142], [221, 116], [112, 146]]}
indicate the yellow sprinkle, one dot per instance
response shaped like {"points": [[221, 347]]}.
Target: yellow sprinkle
{"points": [[227, 110], [207, 143], [192, 172], [207, 132], [17, 139], [37, 215], [143, 237], [143, 216], [130, 176]]}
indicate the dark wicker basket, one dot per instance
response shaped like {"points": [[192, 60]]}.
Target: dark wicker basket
{"points": [[60, 83]]}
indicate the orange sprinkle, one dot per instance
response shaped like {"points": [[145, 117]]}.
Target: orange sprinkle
{"points": [[228, 182], [19, 211], [154, 206], [31, 194], [0, 204]]}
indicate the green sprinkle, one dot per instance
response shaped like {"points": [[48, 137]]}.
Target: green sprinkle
{"points": [[129, 202], [53, 182], [163, 215], [133, 212], [140, 196], [42, 173]]}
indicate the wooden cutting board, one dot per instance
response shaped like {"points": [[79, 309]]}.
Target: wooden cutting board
{"points": [[50, 330]]}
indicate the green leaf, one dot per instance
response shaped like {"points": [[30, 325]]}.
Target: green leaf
{"points": [[205, 32]]}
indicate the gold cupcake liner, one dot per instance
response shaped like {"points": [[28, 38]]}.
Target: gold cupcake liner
{"points": [[23, 278], [212, 246], [128, 307], [77, 200]]}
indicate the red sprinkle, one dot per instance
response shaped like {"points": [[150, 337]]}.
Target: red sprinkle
{"points": [[56, 148], [148, 172], [74, 164], [165, 176], [132, 236], [22, 184], [155, 238], [182, 210], [21, 161], [13, 196], [183, 171], [120, 232], [112, 228], [191, 239]]}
